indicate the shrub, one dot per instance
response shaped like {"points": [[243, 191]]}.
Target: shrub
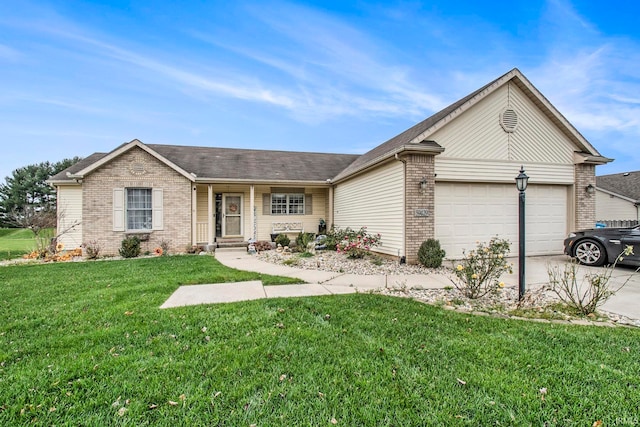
{"points": [[332, 238], [92, 249], [303, 240], [263, 245], [195, 249], [283, 240], [584, 298], [478, 273], [130, 247], [430, 254], [356, 244], [164, 245]]}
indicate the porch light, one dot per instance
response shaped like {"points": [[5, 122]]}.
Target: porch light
{"points": [[522, 180], [590, 189], [521, 184], [423, 184]]}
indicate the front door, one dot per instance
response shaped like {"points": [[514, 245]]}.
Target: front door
{"points": [[232, 215]]}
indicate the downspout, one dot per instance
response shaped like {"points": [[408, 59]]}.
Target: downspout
{"points": [[402, 256]]}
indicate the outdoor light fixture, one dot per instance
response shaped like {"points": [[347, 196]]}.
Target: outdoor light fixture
{"points": [[423, 184], [590, 189], [521, 184], [522, 180]]}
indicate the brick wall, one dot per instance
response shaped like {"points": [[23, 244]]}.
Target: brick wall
{"points": [[125, 171], [418, 228], [585, 203]]}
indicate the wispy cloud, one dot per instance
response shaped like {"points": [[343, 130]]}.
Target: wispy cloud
{"points": [[9, 54]]}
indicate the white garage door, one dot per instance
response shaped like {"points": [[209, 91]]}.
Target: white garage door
{"points": [[466, 213]]}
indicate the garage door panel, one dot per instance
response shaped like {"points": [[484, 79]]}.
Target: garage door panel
{"points": [[466, 213]]}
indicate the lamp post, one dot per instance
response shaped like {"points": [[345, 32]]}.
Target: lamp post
{"points": [[521, 184]]}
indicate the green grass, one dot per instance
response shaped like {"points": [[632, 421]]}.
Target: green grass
{"points": [[86, 344], [14, 242]]}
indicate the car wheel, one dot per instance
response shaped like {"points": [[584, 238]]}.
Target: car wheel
{"points": [[590, 252]]}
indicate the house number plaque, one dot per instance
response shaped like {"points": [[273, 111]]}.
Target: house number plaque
{"points": [[422, 212]]}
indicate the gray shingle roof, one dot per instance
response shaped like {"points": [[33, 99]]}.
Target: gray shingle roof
{"points": [[256, 165], [83, 163], [625, 184], [239, 164]]}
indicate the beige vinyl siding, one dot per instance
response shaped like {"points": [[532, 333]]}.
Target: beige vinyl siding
{"points": [[310, 222], [477, 134], [202, 206], [612, 208], [70, 216], [374, 200], [448, 169]]}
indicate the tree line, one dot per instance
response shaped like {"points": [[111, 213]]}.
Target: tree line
{"points": [[26, 200]]}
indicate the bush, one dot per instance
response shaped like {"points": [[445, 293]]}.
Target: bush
{"points": [[356, 244], [195, 249], [92, 249], [584, 298], [478, 273], [130, 247], [303, 240], [263, 245], [431, 254], [332, 238], [283, 240]]}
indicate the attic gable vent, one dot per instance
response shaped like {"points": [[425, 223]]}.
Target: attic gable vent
{"points": [[509, 120]]}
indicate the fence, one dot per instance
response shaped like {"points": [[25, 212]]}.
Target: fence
{"points": [[619, 222]]}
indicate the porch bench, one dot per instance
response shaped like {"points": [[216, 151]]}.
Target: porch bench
{"points": [[286, 228]]}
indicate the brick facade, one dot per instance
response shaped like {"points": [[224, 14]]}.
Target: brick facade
{"points": [[585, 203], [418, 228], [136, 168]]}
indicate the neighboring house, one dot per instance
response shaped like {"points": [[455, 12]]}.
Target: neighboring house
{"points": [[618, 198], [450, 177]]}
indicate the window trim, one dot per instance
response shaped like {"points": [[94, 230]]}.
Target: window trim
{"points": [[148, 209], [287, 205]]}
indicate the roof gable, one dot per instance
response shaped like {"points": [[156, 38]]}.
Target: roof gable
{"points": [[423, 131], [125, 148]]}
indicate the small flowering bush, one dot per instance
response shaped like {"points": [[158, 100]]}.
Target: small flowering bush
{"points": [[478, 273], [356, 244], [585, 296]]}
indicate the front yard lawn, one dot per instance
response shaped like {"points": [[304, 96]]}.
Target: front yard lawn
{"points": [[15, 242], [86, 344]]}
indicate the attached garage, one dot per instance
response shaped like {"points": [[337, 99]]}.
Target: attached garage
{"points": [[470, 212]]}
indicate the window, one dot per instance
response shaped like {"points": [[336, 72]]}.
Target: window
{"points": [[287, 204], [139, 209]]}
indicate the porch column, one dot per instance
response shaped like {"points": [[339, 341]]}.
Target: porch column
{"points": [[194, 214], [252, 211], [330, 217], [210, 224]]}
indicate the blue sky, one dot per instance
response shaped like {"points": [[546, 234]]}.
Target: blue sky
{"points": [[79, 77]]}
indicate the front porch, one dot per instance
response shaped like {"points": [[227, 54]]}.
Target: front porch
{"points": [[235, 213]]}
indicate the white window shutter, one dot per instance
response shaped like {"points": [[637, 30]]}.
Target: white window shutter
{"points": [[118, 209], [157, 203]]}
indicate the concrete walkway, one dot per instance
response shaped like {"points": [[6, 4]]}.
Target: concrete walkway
{"points": [[626, 302]]}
